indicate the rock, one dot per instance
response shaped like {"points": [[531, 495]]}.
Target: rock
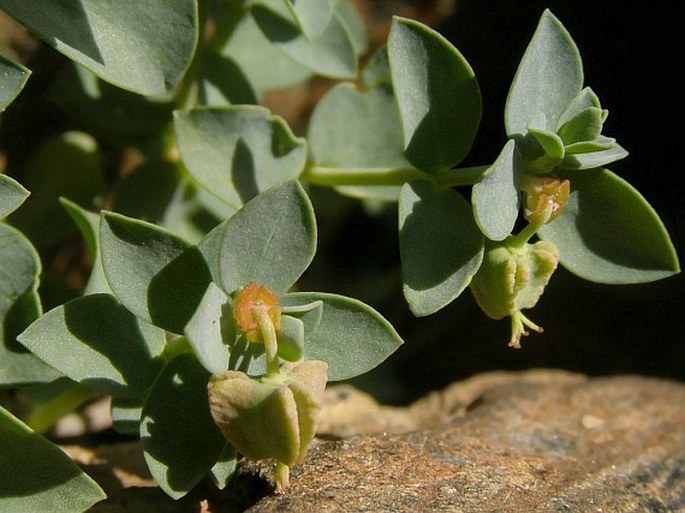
{"points": [[533, 442], [537, 442]]}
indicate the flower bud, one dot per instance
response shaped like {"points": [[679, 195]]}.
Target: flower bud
{"points": [[270, 417], [511, 279]]}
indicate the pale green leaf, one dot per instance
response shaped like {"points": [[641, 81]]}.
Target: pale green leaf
{"points": [[238, 152], [14, 77], [180, 440], [145, 47], [313, 16], [19, 306], [331, 54], [88, 224], [154, 273], [271, 240], [352, 337], [265, 66], [211, 329], [441, 246], [593, 159], [95, 341], [37, 476], [548, 78], [495, 198], [357, 130], [12, 195], [126, 413], [438, 95], [608, 233], [66, 165]]}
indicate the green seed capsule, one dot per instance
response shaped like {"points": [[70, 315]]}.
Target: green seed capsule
{"points": [[512, 278], [270, 417]]}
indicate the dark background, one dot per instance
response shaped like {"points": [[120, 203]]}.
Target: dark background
{"points": [[631, 54]]}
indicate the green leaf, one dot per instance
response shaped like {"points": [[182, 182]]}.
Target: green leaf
{"points": [[120, 116], [265, 66], [548, 78], [19, 306], [222, 82], [377, 69], [145, 47], [95, 341], [157, 275], [88, 224], [238, 152], [67, 165], [271, 240], [357, 130], [495, 199], [291, 339], [313, 16], [331, 53], [585, 99], [37, 476], [438, 95], [352, 337], [126, 413], [180, 440], [441, 246], [608, 233], [584, 126], [14, 77], [12, 195], [164, 193], [210, 329], [594, 159], [224, 469]]}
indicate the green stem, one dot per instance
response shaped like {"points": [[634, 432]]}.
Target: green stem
{"points": [[266, 327], [282, 477], [46, 415], [336, 176]]}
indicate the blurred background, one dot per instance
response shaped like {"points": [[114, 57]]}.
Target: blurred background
{"points": [[631, 54]]}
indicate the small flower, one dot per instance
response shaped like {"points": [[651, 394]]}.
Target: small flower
{"points": [[545, 198], [254, 297]]}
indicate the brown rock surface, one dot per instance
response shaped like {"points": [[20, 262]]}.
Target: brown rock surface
{"points": [[539, 441]]}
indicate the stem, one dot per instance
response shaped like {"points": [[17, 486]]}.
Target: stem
{"points": [[46, 415], [282, 477], [336, 176], [266, 327]]}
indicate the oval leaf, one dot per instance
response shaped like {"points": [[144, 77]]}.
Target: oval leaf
{"points": [[608, 233], [331, 53], [313, 16], [352, 337], [438, 95], [12, 195], [94, 340], [154, 273], [210, 329], [495, 198], [548, 78], [37, 476], [19, 306], [238, 152], [357, 130], [441, 246], [14, 77], [271, 240], [180, 440], [145, 47]]}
